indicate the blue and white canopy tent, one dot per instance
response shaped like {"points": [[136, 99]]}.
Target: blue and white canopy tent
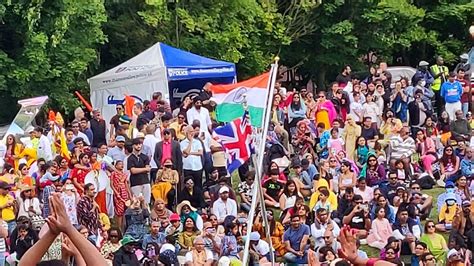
{"points": [[161, 68]]}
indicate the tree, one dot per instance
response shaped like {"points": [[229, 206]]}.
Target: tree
{"points": [[47, 46]]}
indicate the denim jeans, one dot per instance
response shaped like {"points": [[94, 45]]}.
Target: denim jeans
{"points": [[292, 258], [11, 227], [2, 258]]}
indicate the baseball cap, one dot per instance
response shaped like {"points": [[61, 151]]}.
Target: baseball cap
{"points": [[452, 252], [120, 139], [449, 184], [254, 236], [174, 217], [140, 135], [423, 63], [223, 189]]}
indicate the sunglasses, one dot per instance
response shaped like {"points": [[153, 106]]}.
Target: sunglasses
{"points": [[430, 226], [321, 96], [449, 150]]}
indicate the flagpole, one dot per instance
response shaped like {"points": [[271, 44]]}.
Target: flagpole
{"points": [[258, 164]]}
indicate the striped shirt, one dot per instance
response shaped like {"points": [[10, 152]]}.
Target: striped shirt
{"points": [[401, 147]]}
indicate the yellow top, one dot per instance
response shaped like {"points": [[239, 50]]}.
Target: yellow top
{"points": [[8, 213], [332, 199], [448, 218], [178, 129]]}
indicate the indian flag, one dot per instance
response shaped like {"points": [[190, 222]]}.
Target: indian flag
{"points": [[230, 98]]}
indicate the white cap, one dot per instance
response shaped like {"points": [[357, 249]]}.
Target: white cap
{"points": [[223, 189], [254, 236], [423, 63], [452, 252], [464, 56], [224, 261]]}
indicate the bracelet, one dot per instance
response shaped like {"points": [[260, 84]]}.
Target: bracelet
{"points": [[371, 262]]}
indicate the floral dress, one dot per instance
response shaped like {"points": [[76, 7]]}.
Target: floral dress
{"points": [[119, 183]]}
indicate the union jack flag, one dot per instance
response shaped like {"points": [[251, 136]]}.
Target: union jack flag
{"points": [[236, 138]]}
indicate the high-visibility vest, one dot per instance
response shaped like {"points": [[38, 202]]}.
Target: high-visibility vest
{"points": [[435, 69]]}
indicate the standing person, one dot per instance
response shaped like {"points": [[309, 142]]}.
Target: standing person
{"points": [[451, 92], [98, 128], [193, 151], [206, 95], [88, 210], [44, 145], [418, 111], [344, 77], [440, 73], [201, 114], [150, 142], [114, 121], [84, 128], [77, 133], [120, 187], [139, 166], [467, 91], [168, 148], [6, 206], [118, 151], [350, 134]]}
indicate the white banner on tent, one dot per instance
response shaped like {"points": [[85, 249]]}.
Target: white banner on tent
{"points": [[107, 99]]}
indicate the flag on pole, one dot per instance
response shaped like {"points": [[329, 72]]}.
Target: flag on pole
{"points": [[229, 99], [236, 138]]}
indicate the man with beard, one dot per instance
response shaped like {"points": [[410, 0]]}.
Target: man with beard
{"points": [[125, 255], [357, 217], [323, 223], [199, 113], [390, 190], [467, 164]]}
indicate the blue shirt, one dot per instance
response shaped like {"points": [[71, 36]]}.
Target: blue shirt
{"points": [[296, 235], [159, 239], [451, 92]]}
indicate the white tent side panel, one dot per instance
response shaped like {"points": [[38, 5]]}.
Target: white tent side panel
{"points": [[106, 99], [138, 77]]}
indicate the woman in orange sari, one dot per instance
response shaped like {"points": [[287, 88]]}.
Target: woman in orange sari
{"points": [[276, 231]]}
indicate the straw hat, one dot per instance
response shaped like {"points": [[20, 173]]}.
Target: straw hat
{"points": [[182, 204]]}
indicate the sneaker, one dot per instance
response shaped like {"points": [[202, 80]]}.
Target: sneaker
{"points": [[440, 183], [277, 205]]}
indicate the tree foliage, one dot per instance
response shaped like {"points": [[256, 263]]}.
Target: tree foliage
{"points": [[46, 47], [52, 47]]}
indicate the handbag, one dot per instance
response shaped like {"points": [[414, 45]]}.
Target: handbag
{"points": [[37, 221]]}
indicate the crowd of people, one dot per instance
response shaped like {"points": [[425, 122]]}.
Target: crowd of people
{"points": [[350, 167]]}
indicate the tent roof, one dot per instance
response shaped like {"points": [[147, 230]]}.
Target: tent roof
{"points": [[174, 57], [179, 64]]}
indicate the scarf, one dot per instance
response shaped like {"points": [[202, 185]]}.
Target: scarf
{"points": [[199, 258]]}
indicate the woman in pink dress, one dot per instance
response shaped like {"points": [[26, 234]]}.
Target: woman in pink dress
{"points": [[381, 230]]}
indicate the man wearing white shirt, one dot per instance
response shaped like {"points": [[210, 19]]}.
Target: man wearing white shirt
{"points": [[150, 142], [322, 223], [44, 145], [262, 248], [75, 129], [224, 206], [199, 113], [193, 151]]}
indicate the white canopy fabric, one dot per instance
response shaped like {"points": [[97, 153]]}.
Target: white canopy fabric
{"points": [[138, 77]]}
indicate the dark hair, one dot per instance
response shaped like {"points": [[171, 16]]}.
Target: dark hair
{"points": [[324, 191], [296, 106], [286, 190], [274, 172], [82, 155], [377, 209], [22, 226], [118, 231], [324, 251], [194, 224], [295, 215], [423, 244], [426, 225], [445, 159], [88, 186], [357, 142]]}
